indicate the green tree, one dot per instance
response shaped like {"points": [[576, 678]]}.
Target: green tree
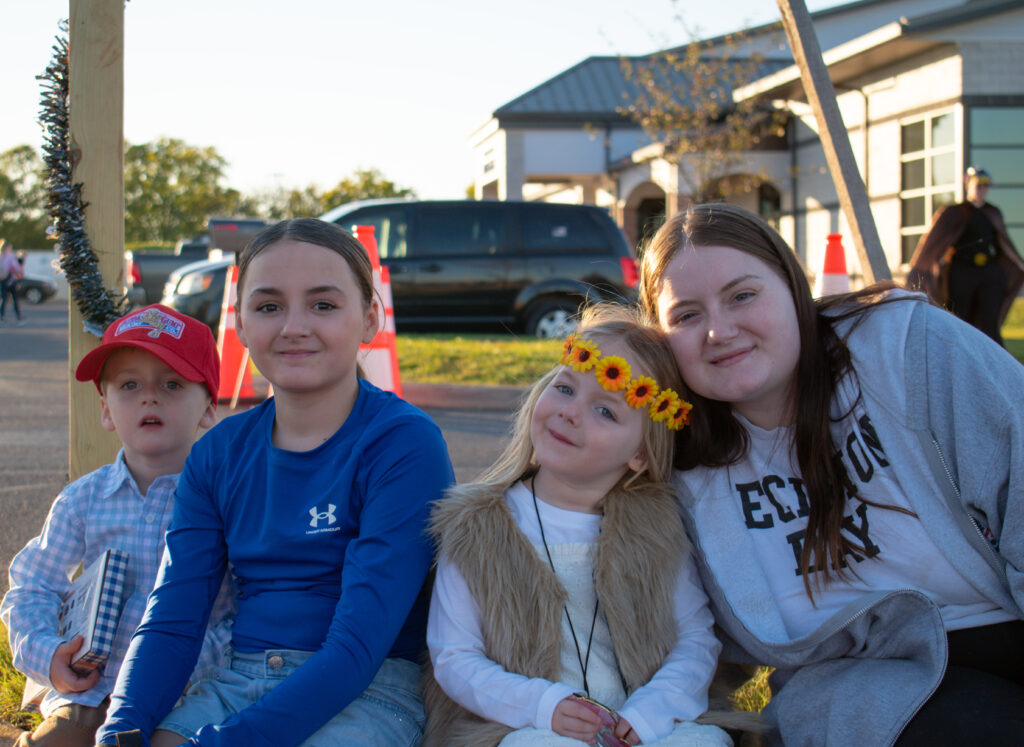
{"points": [[23, 217], [683, 100], [281, 203], [364, 184], [171, 188]]}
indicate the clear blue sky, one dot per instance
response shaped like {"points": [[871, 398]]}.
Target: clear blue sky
{"points": [[306, 91]]}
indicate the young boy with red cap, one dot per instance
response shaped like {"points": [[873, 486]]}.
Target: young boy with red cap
{"points": [[157, 373]]}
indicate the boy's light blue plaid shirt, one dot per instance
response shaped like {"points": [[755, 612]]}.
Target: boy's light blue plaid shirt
{"points": [[100, 510]]}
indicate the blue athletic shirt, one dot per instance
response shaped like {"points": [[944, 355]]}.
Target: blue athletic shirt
{"points": [[328, 552]]}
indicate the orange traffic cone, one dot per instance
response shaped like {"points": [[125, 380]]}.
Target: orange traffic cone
{"points": [[833, 277], [235, 376], [379, 359]]}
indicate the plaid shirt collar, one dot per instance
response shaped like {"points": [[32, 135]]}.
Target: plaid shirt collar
{"points": [[120, 474]]}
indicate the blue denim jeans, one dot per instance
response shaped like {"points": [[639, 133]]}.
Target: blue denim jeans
{"points": [[389, 713]]}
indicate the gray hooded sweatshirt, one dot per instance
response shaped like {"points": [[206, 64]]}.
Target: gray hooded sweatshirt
{"points": [[946, 402]]}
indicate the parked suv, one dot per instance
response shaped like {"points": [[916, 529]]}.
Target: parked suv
{"points": [[197, 289], [524, 265]]}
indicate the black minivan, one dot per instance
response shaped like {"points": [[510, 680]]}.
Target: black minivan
{"points": [[526, 266]]}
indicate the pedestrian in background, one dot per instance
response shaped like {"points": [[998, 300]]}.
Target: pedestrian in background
{"points": [[12, 270], [967, 261]]}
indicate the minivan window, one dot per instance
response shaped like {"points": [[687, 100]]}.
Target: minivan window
{"points": [[553, 228], [390, 229], [459, 230]]}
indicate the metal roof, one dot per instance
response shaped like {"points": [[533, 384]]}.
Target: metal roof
{"points": [[593, 90], [590, 91], [969, 11], [883, 46]]}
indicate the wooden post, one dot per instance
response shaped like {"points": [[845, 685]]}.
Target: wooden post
{"points": [[822, 96], [96, 100]]}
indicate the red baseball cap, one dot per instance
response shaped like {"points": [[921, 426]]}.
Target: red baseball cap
{"points": [[183, 343]]}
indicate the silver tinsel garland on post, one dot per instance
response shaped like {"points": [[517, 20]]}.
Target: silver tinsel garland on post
{"points": [[99, 306]]}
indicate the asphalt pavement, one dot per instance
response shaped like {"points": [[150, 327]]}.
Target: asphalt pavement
{"points": [[34, 369]]}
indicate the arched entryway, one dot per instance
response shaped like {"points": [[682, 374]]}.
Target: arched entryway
{"points": [[643, 214]]}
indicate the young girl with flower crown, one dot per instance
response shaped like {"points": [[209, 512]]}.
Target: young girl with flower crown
{"points": [[566, 606], [316, 501]]}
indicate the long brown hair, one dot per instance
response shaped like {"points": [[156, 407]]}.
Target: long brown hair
{"points": [[715, 437]]}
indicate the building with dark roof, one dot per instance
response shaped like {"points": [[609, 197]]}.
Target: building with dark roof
{"points": [[925, 88]]}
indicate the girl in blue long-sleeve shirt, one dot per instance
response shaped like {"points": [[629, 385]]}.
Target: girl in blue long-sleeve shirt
{"points": [[316, 501]]}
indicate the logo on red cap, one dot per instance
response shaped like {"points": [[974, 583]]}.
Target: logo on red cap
{"points": [[158, 322]]}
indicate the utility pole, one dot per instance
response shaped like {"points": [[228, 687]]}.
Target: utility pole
{"points": [[96, 104], [822, 97]]}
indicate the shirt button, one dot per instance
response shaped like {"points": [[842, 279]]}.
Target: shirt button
{"points": [[275, 662], [150, 518]]}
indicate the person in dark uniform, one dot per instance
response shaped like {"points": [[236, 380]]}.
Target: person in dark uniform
{"points": [[967, 261]]}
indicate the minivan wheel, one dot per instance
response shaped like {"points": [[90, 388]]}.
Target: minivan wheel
{"points": [[552, 319]]}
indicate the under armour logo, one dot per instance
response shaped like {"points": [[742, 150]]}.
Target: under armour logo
{"points": [[318, 516]]}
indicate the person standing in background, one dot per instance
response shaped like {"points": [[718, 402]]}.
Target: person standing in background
{"points": [[967, 262], [12, 270]]}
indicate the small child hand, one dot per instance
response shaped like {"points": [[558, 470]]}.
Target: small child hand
{"points": [[573, 719], [65, 679], [624, 731]]}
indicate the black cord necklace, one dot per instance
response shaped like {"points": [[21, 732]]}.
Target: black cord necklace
{"points": [[584, 662]]}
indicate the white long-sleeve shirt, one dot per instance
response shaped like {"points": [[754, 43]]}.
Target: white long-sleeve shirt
{"points": [[677, 692]]}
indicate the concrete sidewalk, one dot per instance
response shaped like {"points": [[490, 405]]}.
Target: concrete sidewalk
{"points": [[462, 397]]}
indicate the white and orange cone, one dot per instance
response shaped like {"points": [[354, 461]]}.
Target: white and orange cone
{"points": [[833, 277], [235, 376], [379, 359]]}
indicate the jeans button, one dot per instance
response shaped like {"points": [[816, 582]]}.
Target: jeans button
{"points": [[275, 662]]}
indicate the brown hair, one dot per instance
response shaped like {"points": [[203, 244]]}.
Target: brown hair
{"points": [[715, 437], [313, 231], [652, 353]]}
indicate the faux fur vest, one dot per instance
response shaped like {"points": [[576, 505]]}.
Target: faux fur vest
{"points": [[639, 553]]}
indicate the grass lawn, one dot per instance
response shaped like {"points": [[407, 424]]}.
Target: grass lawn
{"points": [[493, 360], [1013, 330], [12, 683]]}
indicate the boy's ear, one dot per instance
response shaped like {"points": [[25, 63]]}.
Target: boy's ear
{"points": [[639, 461], [209, 416], [105, 419]]}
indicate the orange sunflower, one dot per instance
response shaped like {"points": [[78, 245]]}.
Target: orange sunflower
{"points": [[641, 391], [664, 406], [681, 417], [567, 350], [584, 355], [612, 373]]}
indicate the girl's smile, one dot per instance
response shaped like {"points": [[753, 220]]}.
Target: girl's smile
{"points": [[732, 325], [303, 318], [585, 437]]}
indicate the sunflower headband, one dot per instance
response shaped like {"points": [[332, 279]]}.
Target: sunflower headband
{"points": [[613, 373]]}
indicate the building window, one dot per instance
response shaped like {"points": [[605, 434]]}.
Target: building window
{"points": [[928, 174], [996, 143]]}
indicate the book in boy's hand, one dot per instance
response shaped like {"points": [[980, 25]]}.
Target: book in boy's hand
{"points": [[93, 607]]}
